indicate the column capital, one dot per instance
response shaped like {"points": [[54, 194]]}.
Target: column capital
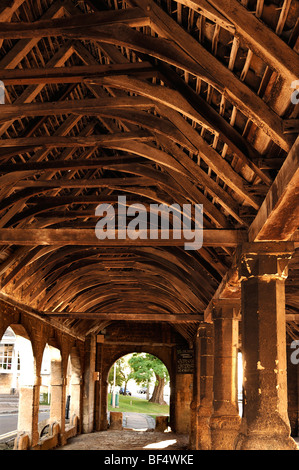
{"points": [[205, 329], [226, 308], [264, 260]]}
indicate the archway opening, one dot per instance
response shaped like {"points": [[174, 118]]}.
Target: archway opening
{"points": [[139, 388], [74, 378], [17, 377]]}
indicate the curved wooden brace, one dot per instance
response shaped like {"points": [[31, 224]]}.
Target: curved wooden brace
{"points": [[165, 270]]}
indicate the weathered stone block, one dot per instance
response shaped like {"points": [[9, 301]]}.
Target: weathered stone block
{"points": [[161, 423], [116, 420]]}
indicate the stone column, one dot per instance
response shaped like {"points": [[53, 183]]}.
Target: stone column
{"points": [[75, 395], [89, 384], [183, 399], [263, 270], [194, 407], [58, 389], [225, 421], [28, 411], [205, 410], [29, 385]]}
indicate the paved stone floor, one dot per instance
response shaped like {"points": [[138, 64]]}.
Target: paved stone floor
{"points": [[127, 440], [138, 421], [138, 434]]}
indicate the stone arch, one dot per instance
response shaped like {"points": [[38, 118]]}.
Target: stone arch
{"points": [[124, 351]]}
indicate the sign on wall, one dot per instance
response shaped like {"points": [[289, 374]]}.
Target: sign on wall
{"points": [[185, 361]]}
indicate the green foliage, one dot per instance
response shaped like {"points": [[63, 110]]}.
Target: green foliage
{"points": [[146, 366], [123, 373]]}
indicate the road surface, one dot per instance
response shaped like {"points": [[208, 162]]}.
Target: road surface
{"points": [[9, 423]]}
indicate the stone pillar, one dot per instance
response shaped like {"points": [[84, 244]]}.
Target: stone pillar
{"points": [[205, 410], [58, 389], [193, 438], [89, 384], [28, 411], [183, 398], [202, 404], [29, 386], [225, 421], [263, 270], [75, 395]]}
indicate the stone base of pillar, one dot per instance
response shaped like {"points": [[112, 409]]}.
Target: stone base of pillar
{"points": [[204, 441], [224, 432], [161, 423], [271, 433], [258, 441]]}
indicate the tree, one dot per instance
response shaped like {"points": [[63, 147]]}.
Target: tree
{"points": [[123, 373], [144, 367], [118, 376]]}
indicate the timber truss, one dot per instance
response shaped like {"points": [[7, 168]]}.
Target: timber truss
{"points": [[164, 102]]}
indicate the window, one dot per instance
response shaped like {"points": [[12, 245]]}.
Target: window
{"points": [[6, 356]]}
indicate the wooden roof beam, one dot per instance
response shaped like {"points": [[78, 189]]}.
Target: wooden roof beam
{"points": [[59, 237], [148, 317], [219, 77], [82, 107], [67, 141], [278, 217], [203, 7], [8, 8], [14, 56], [259, 38], [233, 89], [176, 101], [134, 17], [74, 74]]}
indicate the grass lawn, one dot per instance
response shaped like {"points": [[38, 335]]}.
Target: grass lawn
{"points": [[138, 405]]}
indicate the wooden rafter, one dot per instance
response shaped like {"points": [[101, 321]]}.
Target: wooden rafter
{"points": [[165, 107]]}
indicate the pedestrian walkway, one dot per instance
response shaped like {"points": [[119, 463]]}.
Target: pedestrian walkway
{"points": [[138, 421]]}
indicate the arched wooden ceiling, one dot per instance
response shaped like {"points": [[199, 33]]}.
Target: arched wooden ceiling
{"points": [[161, 101]]}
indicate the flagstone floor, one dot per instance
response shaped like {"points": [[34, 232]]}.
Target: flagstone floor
{"points": [[127, 440]]}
